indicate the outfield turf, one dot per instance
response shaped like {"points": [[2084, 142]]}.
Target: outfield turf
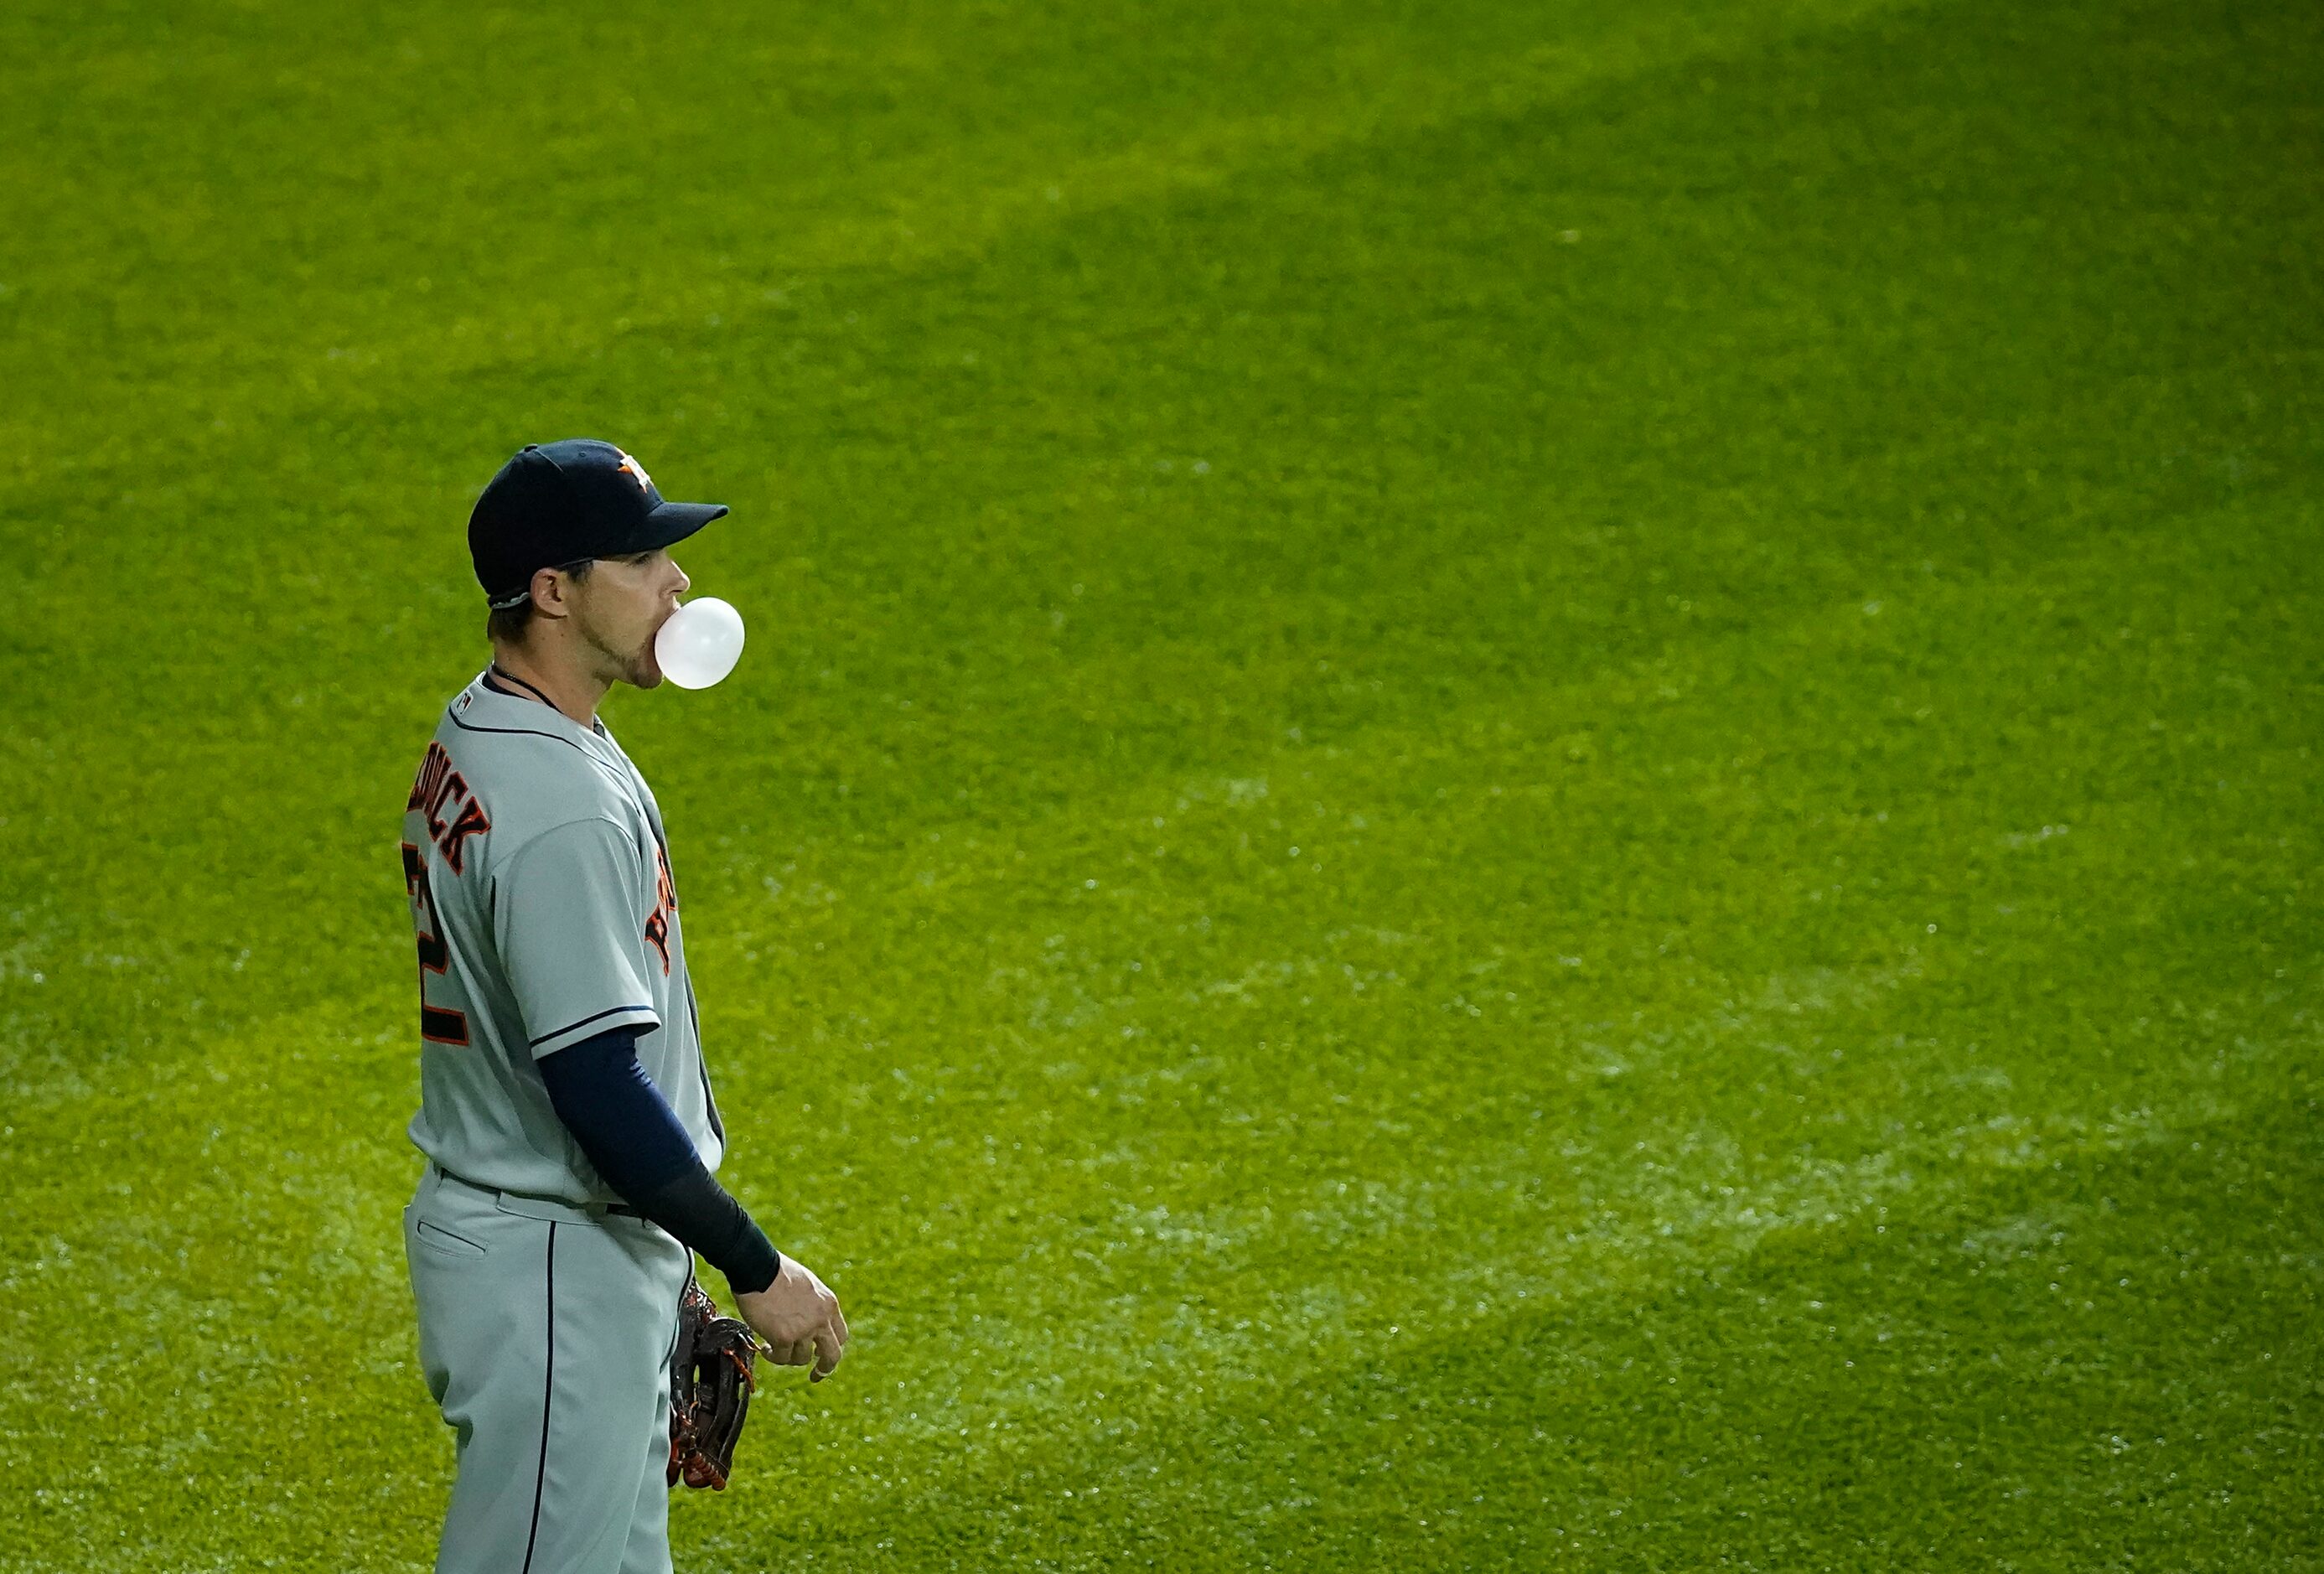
{"points": [[1517, 787]]}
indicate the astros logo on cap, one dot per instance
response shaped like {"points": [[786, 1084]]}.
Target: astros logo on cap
{"points": [[645, 482]]}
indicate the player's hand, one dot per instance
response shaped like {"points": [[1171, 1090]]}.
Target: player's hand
{"points": [[799, 1317]]}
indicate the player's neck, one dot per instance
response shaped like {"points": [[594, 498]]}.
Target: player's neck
{"points": [[571, 691]]}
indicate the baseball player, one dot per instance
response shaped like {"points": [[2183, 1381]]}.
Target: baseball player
{"points": [[566, 1114]]}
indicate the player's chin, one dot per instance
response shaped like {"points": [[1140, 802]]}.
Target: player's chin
{"points": [[645, 670]]}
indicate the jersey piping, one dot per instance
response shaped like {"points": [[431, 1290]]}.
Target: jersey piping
{"points": [[599, 1015]]}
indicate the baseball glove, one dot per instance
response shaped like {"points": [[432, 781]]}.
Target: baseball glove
{"points": [[711, 1382]]}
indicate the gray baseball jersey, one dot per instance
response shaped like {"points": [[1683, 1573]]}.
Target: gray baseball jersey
{"points": [[542, 896]]}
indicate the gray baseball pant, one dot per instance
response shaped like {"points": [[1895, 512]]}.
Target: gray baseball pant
{"points": [[545, 1335]]}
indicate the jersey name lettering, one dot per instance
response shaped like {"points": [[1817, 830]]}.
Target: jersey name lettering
{"points": [[434, 791], [665, 904]]}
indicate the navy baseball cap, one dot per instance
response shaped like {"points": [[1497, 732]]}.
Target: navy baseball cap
{"points": [[558, 503]]}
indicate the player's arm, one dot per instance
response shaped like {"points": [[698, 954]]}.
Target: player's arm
{"points": [[628, 1132], [566, 924]]}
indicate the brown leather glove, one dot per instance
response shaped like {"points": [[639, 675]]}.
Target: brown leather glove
{"points": [[711, 1381]]}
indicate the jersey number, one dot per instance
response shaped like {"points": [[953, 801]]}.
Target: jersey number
{"points": [[437, 1024]]}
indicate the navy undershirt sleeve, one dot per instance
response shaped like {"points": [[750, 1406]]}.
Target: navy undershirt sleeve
{"points": [[629, 1132]]}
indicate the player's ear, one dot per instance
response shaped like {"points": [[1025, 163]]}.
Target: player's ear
{"points": [[551, 593]]}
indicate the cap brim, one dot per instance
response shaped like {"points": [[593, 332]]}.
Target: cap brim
{"points": [[671, 522]]}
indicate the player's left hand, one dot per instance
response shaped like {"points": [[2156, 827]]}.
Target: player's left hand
{"points": [[800, 1318]]}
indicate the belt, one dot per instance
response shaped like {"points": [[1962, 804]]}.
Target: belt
{"points": [[620, 1209]]}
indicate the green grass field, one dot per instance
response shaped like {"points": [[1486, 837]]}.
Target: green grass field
{"points": [[1517, 787]]}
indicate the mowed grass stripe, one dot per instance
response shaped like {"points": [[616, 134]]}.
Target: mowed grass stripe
{"points": [[808, 140], [2069, 1363]]}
